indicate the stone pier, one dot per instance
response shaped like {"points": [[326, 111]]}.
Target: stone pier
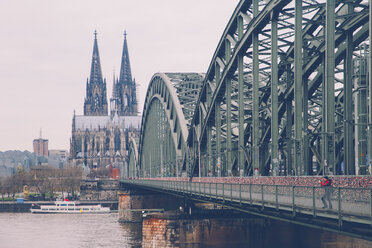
{"points": [[133, 201], [180, 230]]}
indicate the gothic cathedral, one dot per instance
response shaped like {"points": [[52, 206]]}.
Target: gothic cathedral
{"points": [[98, 138]]}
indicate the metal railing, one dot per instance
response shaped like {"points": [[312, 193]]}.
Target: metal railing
{"points": [[351, 204]]}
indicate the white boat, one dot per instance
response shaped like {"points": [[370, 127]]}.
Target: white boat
{"points": [[69, 207]]}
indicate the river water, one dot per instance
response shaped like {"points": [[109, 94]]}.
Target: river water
{"points": [[18, 230]]}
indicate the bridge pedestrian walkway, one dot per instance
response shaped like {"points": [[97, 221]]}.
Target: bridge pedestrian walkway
{"points": [[349, 204]]}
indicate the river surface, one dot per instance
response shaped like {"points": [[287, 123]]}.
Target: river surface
{"points": [[18, 230]]}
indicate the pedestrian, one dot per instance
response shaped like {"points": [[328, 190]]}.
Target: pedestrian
{"points": [[327, 185]]}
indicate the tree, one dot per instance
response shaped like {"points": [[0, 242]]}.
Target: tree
{"points": [[45, 179], [71, 178], [2, 187]]}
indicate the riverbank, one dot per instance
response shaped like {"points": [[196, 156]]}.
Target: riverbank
{"points": [[14, 207]]}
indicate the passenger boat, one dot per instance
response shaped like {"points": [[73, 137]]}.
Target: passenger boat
{"points": [[69, 207]]}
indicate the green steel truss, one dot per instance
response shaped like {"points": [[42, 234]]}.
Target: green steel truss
{"points": [[168, 109], [287, 92], [132, 170]]}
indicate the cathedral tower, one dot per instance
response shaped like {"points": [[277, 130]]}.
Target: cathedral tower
{"points": [[124, 90], [96, 98], [99, 139]]}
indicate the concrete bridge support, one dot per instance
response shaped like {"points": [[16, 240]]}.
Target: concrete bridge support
{"points": [[133, 201]]}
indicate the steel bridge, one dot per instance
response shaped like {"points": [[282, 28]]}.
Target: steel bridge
{"points": [[288, 92]]}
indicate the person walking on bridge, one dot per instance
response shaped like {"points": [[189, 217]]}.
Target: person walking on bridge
{"points": [[327, 184]]}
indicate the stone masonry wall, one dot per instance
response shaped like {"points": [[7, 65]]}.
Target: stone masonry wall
{"points": [[130, 201], [127, 203], [103, 190], [162, 231]]}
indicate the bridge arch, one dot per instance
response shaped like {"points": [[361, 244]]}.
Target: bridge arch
{"points": [[168, 107], [133, 170], [273, 96]]}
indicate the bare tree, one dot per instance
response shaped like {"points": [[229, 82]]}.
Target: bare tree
{"points": [[71, 178], [2, 186], [45, 179]]}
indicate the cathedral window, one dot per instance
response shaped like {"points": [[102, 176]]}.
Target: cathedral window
{"points": [[77, 145], [97, 146], [117, 140], [107, 145], [86, 146], [125, 100], [96, 102]]}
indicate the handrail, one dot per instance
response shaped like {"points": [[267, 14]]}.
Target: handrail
{"points": [[350, 204]]}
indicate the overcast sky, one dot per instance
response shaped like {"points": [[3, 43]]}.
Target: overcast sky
{"points": [[46, 50]]}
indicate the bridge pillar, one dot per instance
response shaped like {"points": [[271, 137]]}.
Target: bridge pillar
{"points": [[133, 201], [180, 230], [219, 229]]}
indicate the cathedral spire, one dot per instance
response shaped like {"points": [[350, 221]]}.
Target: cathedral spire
{"points": [[95, 71], [126, 87], [73, 122], [115, 90], [95, 102], [125, 71]]}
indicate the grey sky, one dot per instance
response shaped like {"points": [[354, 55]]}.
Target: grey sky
{"points": [[46, 48]]}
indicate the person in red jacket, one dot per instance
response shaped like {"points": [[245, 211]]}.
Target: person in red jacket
{"points": [[327, 184]]}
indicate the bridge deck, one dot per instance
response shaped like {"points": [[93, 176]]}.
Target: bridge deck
{"points": [[352, 205]]}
